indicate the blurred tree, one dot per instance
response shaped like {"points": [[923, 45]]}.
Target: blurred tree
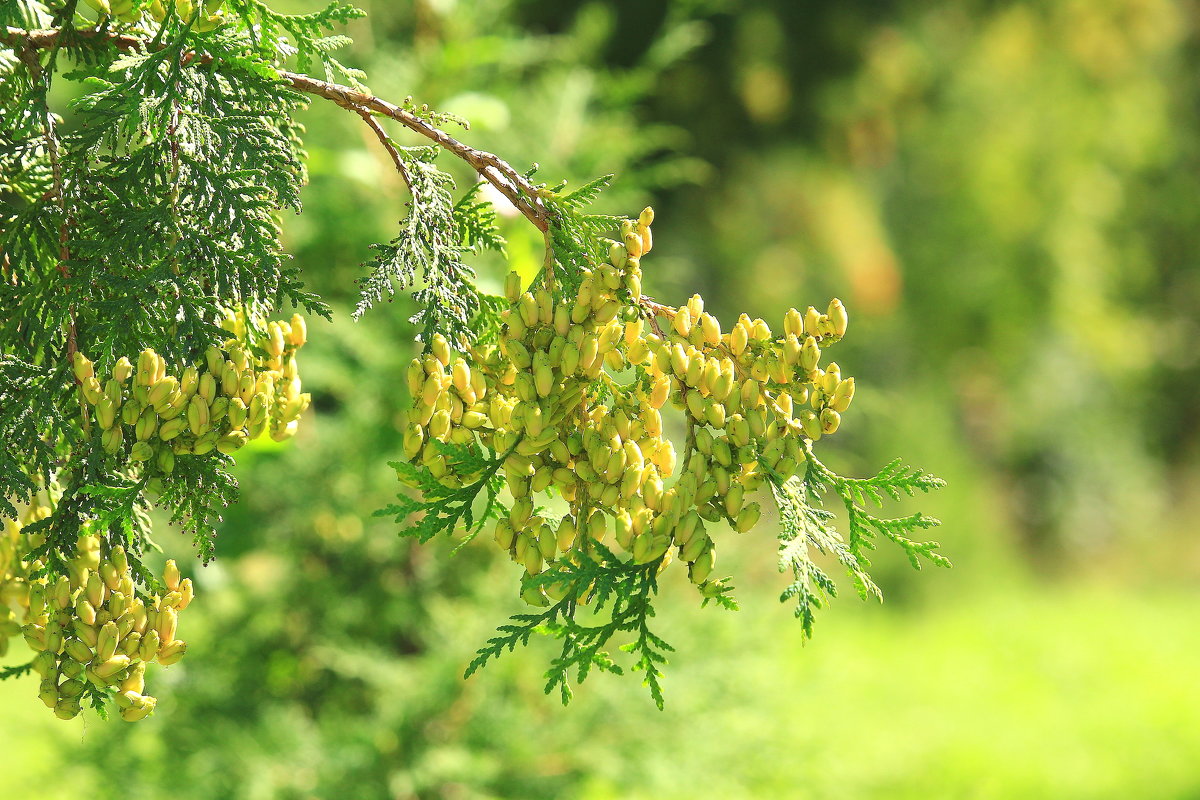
{"points": [[1006, 188]]}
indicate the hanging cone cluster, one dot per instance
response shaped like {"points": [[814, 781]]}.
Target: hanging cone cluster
{"points": [[93, 631], [220, 404], [571, 399]]}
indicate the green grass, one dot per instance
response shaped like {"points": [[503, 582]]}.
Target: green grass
{"points": [[1079, 692]]}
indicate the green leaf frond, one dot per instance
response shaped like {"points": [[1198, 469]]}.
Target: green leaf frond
{"points": [[304, 36], [430, 247], [440, 508], [577, 238], [619, 600], [476, 222], [31, 426], [895, 480], [807, 528]]}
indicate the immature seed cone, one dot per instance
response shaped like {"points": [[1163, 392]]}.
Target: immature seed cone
{"points": [[90, 626], [217, 404], [570, 399]]}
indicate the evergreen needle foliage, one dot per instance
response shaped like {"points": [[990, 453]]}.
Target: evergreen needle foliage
{"points": [[142, 217], [443, 509], [431, 245], [622, 593]]}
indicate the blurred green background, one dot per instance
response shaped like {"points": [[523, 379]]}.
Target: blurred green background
{"points": [[1004, 194]]}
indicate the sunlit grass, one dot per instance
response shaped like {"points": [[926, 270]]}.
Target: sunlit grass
{"points": [[1079, 692]]}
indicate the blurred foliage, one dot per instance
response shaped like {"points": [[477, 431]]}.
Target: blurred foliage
{"points": [[1003, 193]]}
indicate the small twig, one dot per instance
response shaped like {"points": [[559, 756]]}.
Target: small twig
{"points": [[386, 141], [502, 175], [656, 310], [491, 168], [173, 138], [548, 261], [28, 56]]}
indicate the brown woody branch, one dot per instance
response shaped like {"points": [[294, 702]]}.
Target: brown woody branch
{"points": [[29, 57], [499, 173], [491, 168]]}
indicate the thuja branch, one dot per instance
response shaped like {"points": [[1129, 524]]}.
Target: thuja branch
{"points": [[520, 393], [522, 194], [29, 57], [499, 173]]}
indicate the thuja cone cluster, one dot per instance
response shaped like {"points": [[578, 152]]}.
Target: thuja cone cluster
{"points": [[245, 388], [98, 624], [204, 16], [571, 398], [91, 626]]}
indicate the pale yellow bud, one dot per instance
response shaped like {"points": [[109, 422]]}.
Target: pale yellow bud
{"points": [[733, 500], [512, 287], [83, 367], [683, 321], [533, 560], [596, 526], [299, 331], [793, 323], [830, 380], [711, 328], [122, 369], [91, 389], [838, 317], [142, 708], [812, 322], [842, 395], [168, 620], [527, 306], [171, 575], [647, 238], [275, 340], [440, 348], [148, 649], [633, 244], [811, 423], [461, 376], [171, 653], [520, 512], [702, 567], [810, 354], [617, 255]]}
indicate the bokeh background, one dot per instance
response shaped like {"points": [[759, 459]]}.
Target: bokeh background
{"points": [[1005, 196]]}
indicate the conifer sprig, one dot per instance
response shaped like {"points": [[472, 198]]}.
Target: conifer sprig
{"points": [[615, 596], [429, 249], [305, 36], [441, 509], [806, 527], [895, 480]]}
